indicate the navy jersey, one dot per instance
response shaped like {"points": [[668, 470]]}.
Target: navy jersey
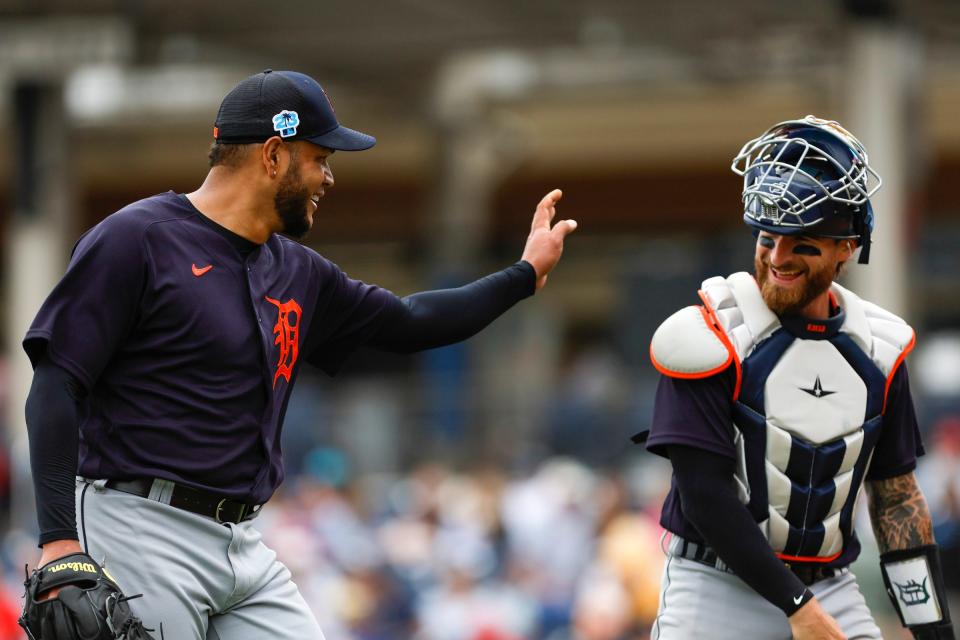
{"points": [[189, 350], [699, 413]]}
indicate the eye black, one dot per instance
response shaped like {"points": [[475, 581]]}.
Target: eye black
{"points": [[806, 250], [767, 242]]}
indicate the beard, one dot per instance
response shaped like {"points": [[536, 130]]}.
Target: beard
{"points": [[792, 300], [292, 202]]}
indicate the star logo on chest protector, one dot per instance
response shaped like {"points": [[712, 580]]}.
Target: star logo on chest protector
{"points": [[817, 391]]}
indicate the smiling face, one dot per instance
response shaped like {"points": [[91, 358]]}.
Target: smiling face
{"points": [[795, 272], [304, 183]]}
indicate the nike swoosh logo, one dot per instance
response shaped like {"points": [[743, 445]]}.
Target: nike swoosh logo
{"points": [[199, 272], [798, 599]]}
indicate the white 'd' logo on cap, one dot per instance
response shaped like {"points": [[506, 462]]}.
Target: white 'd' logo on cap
{"points": [[286, 122]]}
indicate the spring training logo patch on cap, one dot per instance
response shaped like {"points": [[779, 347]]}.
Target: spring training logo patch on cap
{"points": [[286, 122]]}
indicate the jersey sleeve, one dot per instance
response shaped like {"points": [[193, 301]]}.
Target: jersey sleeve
{"points": [[437, 318], [695, 413], [900, 443], [93, 308], [349, 313]]}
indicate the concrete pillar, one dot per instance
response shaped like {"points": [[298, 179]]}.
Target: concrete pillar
{"points": [[38, 245], [476, 149], [475, 157], [882, 86]]}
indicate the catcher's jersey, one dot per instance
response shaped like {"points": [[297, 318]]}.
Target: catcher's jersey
{"points": [[808, 409], [189, 350]]}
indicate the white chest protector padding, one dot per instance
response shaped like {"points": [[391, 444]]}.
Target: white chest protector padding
{"points": [[746, 320], [812, 393], [818, 413], [740, 308], [884, 336], [685, 346]]}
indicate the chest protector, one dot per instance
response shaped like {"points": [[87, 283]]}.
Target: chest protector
{"points": [[807, 407]]}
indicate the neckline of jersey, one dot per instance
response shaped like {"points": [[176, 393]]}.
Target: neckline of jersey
{"points": [[241, 244]]}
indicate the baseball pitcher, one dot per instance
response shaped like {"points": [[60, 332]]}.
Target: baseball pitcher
{"points": [[163, 363]]}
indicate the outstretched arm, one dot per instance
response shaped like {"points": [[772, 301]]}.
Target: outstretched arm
{"points": [[899, 513], [545, 244], [436, 318]]}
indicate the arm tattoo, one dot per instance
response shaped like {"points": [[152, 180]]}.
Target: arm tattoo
{"points": [[899, 513]]}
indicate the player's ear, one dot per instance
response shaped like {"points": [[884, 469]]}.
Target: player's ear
{"points": [[273, 154], [847, 247]]}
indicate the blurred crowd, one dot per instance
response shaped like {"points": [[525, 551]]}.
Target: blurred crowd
{"points": [[564, 548], [563, 553]]}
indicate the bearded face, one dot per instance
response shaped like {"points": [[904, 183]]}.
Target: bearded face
{"points": [[292, 202], [789, 287]]}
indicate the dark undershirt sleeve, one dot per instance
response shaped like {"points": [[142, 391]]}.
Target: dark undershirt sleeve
{"points": [[53, 421], [710, 503], [436, 318], [900, 443], [694, 412]]}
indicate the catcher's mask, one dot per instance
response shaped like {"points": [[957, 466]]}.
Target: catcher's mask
{"points": [[810, 177]]}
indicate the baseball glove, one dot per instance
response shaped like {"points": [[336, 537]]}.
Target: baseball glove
{"points": [[89, 606]]}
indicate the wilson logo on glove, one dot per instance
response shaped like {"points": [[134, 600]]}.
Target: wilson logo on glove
{"points": [[74, 566], [89, 605]]}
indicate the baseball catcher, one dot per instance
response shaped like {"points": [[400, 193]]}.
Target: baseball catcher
{"points": [[782, 396]]}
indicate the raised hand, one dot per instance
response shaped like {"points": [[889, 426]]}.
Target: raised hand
{"points": [[545, 244]]}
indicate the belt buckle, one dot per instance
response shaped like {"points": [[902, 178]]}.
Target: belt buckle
{"points": [[216, 514]]}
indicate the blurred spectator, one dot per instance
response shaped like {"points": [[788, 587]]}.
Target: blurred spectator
{"points": [[602, 610], [464, 608], [550, 521], [9, 612], [438, 555], [630, 548]]}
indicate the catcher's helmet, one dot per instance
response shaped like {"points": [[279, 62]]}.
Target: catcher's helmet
{"points": [[808, 176]]}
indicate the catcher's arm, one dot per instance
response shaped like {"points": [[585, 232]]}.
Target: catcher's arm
{"points": [[899, 513], [909, 557]]}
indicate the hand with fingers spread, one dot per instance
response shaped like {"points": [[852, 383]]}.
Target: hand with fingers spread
{"points": [[545, 244]]}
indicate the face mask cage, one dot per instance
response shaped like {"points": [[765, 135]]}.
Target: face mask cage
{"points": [[786, 178]]}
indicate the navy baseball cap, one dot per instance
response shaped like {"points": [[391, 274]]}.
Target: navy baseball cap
{"points": [[288, 104]]}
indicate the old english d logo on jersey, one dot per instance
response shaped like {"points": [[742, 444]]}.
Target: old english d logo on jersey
{"points": [[287, 332]]}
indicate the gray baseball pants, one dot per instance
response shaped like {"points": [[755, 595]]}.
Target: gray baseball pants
{"points": [[698, 601], [200, 580]]}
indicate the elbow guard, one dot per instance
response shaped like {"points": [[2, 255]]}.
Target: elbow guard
{"points": [[914, 582]]}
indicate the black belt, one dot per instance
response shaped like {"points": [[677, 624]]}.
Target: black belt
{"points": [[193, 500], [810, 573], [703, 554]]}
